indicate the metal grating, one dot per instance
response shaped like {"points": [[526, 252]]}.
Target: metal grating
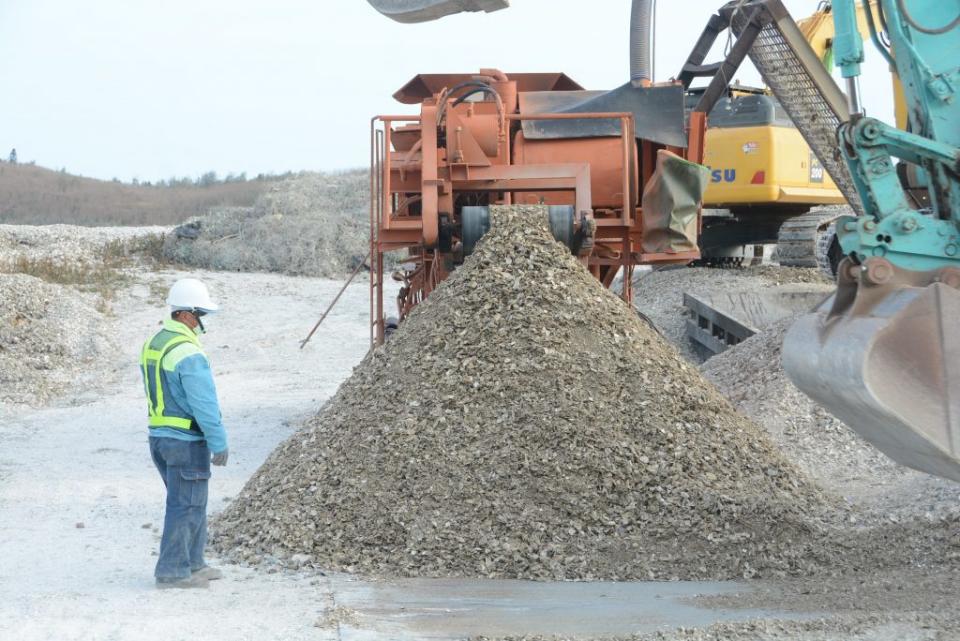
{"points": [[814, 104]]}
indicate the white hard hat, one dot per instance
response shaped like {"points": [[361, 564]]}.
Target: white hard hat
{"points": [[190, 294]]}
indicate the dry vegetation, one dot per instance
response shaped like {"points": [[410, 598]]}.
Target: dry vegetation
{"points": [[38, 196], [103, 278]]}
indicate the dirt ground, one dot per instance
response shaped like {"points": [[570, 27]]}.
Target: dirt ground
{"points": [[916, 603], [82, 505], [81, 508]]}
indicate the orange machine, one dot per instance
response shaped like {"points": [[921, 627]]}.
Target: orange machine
{"points": [[493, 138]]}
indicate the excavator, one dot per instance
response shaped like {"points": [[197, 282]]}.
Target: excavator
{"points": [[766, 186], [882, 353]]}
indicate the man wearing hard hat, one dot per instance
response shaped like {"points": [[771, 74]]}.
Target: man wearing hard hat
{"points": [[185, 429]]}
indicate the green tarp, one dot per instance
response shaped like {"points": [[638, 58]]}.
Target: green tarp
{"points": [[670, 202]]}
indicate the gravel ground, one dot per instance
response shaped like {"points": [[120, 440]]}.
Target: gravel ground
{"points": [[524, 423], [915, 604], [751, 376], [84, 459], [877, 490], [923, 626], [890, 509], [905, 523]]}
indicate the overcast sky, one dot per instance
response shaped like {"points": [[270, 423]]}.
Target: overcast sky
{"points": [[148, 89]]}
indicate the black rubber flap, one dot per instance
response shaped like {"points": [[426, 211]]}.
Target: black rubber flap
{"points": [[657, 111]]}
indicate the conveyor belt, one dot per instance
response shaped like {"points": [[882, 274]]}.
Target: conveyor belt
{"points": [[803, 86]]}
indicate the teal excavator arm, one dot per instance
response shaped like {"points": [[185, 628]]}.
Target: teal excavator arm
{"points": [[883, 353], [926, 60]]}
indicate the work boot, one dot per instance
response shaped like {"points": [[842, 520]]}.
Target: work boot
{"points": [[208, 573], [192, 581]]}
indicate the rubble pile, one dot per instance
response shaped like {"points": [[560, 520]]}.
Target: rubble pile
{"points": [[70, 246], [751, 376], [314, 224], [48, 333], [524, 422]]}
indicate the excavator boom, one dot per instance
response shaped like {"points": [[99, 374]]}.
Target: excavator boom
{"points": [[883, 353]]}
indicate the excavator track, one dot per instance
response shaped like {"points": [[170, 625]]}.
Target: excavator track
{"points": [[807, 240]]}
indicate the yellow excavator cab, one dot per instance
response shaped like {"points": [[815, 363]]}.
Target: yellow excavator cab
{"points": [[757, 158], [765, 174]]}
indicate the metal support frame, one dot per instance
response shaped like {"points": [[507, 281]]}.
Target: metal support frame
{"points": [[711, 327], [895, 230], [728, 67], [798, 78], [694, 67], [555, 177]]}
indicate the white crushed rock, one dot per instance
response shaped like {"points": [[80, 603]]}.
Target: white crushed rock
{"points": [[751, 376], [66, 244], [52, 334], [310, 225], [902, 515], [49, 336]]}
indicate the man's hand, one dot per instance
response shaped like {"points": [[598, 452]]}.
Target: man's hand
{"points": [[220, 458]]}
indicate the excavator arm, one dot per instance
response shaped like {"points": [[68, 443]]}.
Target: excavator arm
{"points": [[883, 353], [820, 32]]}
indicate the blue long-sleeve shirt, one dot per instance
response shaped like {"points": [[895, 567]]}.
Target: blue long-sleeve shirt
{"points": [[189, 390]]}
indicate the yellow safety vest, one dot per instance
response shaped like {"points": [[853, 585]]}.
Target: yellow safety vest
{"points": [[151, 360]]}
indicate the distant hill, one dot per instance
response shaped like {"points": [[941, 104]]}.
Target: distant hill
{"points": [[39, 196]]}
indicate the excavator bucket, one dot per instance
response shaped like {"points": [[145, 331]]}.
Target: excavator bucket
{"points": [[425, 10], [883, 355]]}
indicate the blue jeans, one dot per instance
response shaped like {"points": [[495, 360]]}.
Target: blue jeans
{"points": [[184, 467]]}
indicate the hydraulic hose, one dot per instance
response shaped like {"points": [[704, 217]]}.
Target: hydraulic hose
{"points": [[875, 34], [935, 31], [641, 20]]}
